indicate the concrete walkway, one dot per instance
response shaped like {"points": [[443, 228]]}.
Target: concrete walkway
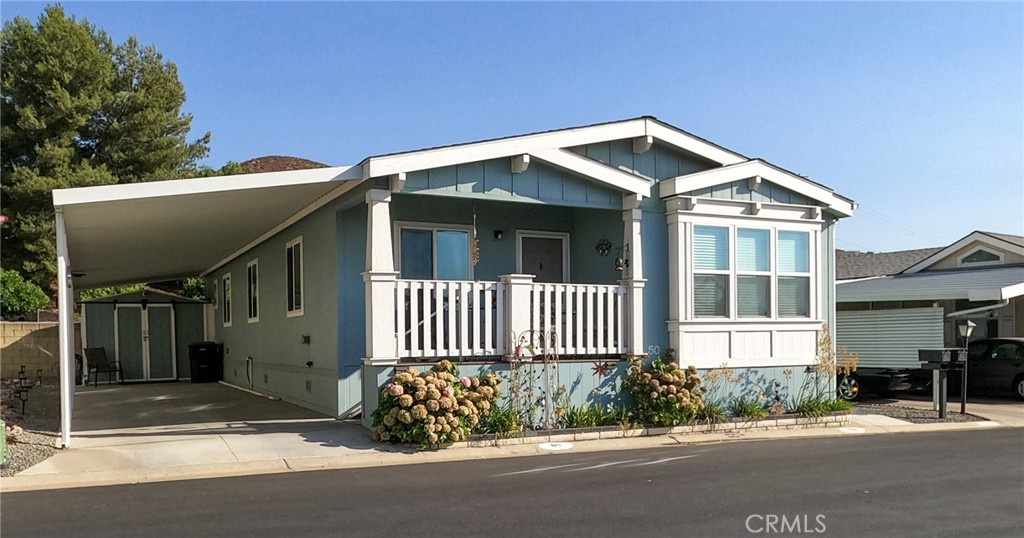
{"points": [[133, 434]]}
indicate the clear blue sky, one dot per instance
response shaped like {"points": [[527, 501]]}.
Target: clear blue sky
{"points": [[914, 110]]}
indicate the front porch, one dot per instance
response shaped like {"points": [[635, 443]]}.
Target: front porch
{"points": [[472, 279]]}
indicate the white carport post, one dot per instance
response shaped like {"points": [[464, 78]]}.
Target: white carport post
{"points": [[66, 328]]}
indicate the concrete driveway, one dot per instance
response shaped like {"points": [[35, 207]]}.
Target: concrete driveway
{"points": [[162, 425]]}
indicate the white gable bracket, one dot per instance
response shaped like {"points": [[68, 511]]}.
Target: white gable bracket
{"points": [[643, 144], [754, 169], [590, 168], [520, 163], [397, 182]]}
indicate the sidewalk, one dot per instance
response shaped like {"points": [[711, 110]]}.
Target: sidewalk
{"points": [[152, 454]]}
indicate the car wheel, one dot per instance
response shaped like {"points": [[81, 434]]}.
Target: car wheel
{"points": [[848, 387], [1018, 386]]}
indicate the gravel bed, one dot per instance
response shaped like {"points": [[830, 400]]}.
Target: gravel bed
{"points": [[915, 415], [40, 423]]}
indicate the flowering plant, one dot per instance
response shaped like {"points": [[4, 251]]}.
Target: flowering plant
{"points": [[663, 393], [433, 407]]}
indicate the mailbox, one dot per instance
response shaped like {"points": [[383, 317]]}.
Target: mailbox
{"points": [[944, 361]]}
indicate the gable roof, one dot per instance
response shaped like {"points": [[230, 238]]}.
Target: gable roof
{"points": [[1006, 242], [989, 284], [850, 265]]}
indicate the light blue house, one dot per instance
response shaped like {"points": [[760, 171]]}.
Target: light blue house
{"points": [[617, 238]]}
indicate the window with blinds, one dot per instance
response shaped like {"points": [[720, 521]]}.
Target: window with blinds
{"points": [[711, 271], [743, 272], [794, 274]]}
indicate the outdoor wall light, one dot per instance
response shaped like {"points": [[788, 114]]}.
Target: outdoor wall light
{"points": [[603, 247], [498, 234]]}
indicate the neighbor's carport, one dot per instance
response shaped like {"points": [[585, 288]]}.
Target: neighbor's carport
{"points": [[145, 232]]}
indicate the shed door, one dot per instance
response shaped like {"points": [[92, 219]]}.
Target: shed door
{"points": [[145, 342], [889, 338]]}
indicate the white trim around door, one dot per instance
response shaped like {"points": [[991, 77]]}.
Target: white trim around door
{"points": [[539, 234]]}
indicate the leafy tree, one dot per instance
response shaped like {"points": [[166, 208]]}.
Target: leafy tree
{"points": [[108, 291], [77, 110], [19, 296]]}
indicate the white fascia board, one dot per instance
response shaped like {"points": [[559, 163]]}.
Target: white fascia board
{"points": [[495, 149], [728, 174], [157, 189], [590, 168], [688, 142], [970, 238], [996, 294]]}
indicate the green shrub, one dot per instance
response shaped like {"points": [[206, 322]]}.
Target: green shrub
{"points": [[749, 409], [19, 296], [713, 412], [596, 416], [501, 422], [819, 406], [433, 407], [663, 393]]}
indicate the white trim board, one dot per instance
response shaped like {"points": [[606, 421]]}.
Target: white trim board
{"points": [[709, 178], [978, 236], [590, 168]]}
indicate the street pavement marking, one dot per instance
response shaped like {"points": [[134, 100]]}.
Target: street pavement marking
{"points": [[537, 470], [609, 464], [664, 460]]}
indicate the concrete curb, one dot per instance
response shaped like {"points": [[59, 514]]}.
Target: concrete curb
{"points": [[649, 438]]}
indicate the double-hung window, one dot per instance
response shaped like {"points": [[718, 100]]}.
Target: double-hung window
{"points": [[226, 294], [751, 273], [711, 271], [794, 274], [293, 276], [252, 280], [428, 253]]}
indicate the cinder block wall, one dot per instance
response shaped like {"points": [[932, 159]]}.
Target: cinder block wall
{"points": [[33, 344]]}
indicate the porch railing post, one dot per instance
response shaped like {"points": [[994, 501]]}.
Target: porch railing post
{"points": [[634, 273], [380, 279], [517, 309]]}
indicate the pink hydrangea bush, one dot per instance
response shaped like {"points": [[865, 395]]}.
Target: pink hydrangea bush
{"points": [[433, 407], [663, 393]]}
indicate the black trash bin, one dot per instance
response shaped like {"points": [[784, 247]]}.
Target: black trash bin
{"points": [[206, 362]]}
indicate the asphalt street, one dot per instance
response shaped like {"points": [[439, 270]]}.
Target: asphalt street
{"points": [[957, 484]]}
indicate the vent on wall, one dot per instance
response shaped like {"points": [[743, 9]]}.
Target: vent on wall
{"points": [[265, 381], [309, 386]]}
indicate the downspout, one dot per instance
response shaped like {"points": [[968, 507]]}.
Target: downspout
{"points": [[1000, 304], [65, 328]]}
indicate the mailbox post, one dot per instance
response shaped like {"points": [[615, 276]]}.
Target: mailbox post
{"points": [[943, 361]]}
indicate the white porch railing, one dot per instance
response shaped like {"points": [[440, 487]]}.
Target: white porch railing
{"points": [[435, 319], [446, 318], [585, 319]]}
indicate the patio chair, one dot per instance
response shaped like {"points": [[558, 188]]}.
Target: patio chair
{"points": [[98, 363]]}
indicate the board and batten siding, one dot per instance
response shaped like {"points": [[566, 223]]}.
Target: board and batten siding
{"points": [[889, 338]]}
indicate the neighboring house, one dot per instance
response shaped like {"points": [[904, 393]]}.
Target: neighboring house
{"points": [[893, 304], [621, 238]]}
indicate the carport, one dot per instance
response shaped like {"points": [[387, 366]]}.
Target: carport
{"points": [[144, 232]]}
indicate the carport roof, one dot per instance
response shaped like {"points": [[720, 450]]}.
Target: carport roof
{"points": [[173, 229], [989, 284]]}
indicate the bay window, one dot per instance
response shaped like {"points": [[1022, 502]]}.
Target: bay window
{"points": [[751, 272]]}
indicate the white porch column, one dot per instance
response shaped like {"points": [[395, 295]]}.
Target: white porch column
{"points": [[379, 278], [634, 273], [66, 328], [677, 279], [517, 309]]}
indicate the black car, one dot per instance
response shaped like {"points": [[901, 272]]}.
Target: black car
{"points": [[995, 366]]}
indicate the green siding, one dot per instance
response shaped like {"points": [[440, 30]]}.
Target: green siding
{"points": [[99, 327], [188, 328]]}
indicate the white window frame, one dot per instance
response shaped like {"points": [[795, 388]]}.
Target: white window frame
{"points": [[216, 293], [226, 290], [434, 228], [732, 306], [252, 300], [541, 234], [771, 273], [300, 278], [961, 263]]}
